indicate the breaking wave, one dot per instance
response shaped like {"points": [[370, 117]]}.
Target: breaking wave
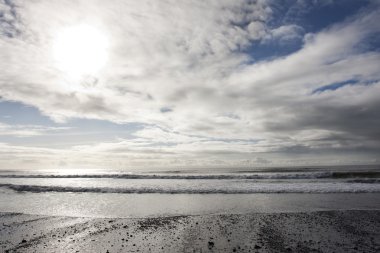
{"points": [[266, 175], [343, 187]]}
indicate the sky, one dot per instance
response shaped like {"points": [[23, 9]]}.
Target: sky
{"points": [[175, 83]]}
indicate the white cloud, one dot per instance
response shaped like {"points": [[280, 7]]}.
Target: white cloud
{"points": [[28, 130], [286, 33]]}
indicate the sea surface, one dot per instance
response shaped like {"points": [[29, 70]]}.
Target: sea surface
{"points": [[145, 193]]}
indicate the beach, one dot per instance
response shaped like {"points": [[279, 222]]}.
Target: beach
{"points": [[319, 231]]}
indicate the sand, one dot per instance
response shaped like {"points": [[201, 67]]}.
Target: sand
{"points": [[321, 231]]}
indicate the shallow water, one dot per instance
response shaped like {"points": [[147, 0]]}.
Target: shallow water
{"points": [[144, 205], [161, 193]]}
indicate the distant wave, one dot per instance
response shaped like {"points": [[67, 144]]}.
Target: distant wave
{"points": [[364, 180], [228, 189], [265, 175]]}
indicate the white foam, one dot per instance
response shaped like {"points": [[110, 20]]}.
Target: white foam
{"points": [[244, 188], [266, 175]]}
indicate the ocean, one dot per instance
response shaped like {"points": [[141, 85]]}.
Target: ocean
{"points": [[151, 193]]}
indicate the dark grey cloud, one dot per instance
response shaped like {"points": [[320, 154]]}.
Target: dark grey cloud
{"points": [[10, 25]]}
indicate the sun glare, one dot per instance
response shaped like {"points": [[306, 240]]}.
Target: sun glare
{"points": [[80, 50]]}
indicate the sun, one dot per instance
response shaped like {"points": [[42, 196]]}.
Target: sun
{"points": [[80, 51]]}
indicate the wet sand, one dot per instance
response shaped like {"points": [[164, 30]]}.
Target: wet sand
{"points": [[322, 231]]}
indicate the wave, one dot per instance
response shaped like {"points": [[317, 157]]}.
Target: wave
{"points": [[236, 189], [264, 175], [364, 180]]}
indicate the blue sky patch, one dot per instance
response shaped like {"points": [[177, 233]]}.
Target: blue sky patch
{"points": [[335, 86]]}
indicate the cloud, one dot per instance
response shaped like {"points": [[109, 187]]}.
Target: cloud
{"points": [[8, 20], [28, 130], [286, 33], [181, 68]]}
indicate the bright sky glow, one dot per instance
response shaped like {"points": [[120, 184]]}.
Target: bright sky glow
{"points": [[80, 50]]}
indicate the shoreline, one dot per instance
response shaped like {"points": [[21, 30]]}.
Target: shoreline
{"points": [[318, 231]]}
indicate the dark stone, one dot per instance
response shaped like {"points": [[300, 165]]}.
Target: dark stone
{"points": [[257, 246]]}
